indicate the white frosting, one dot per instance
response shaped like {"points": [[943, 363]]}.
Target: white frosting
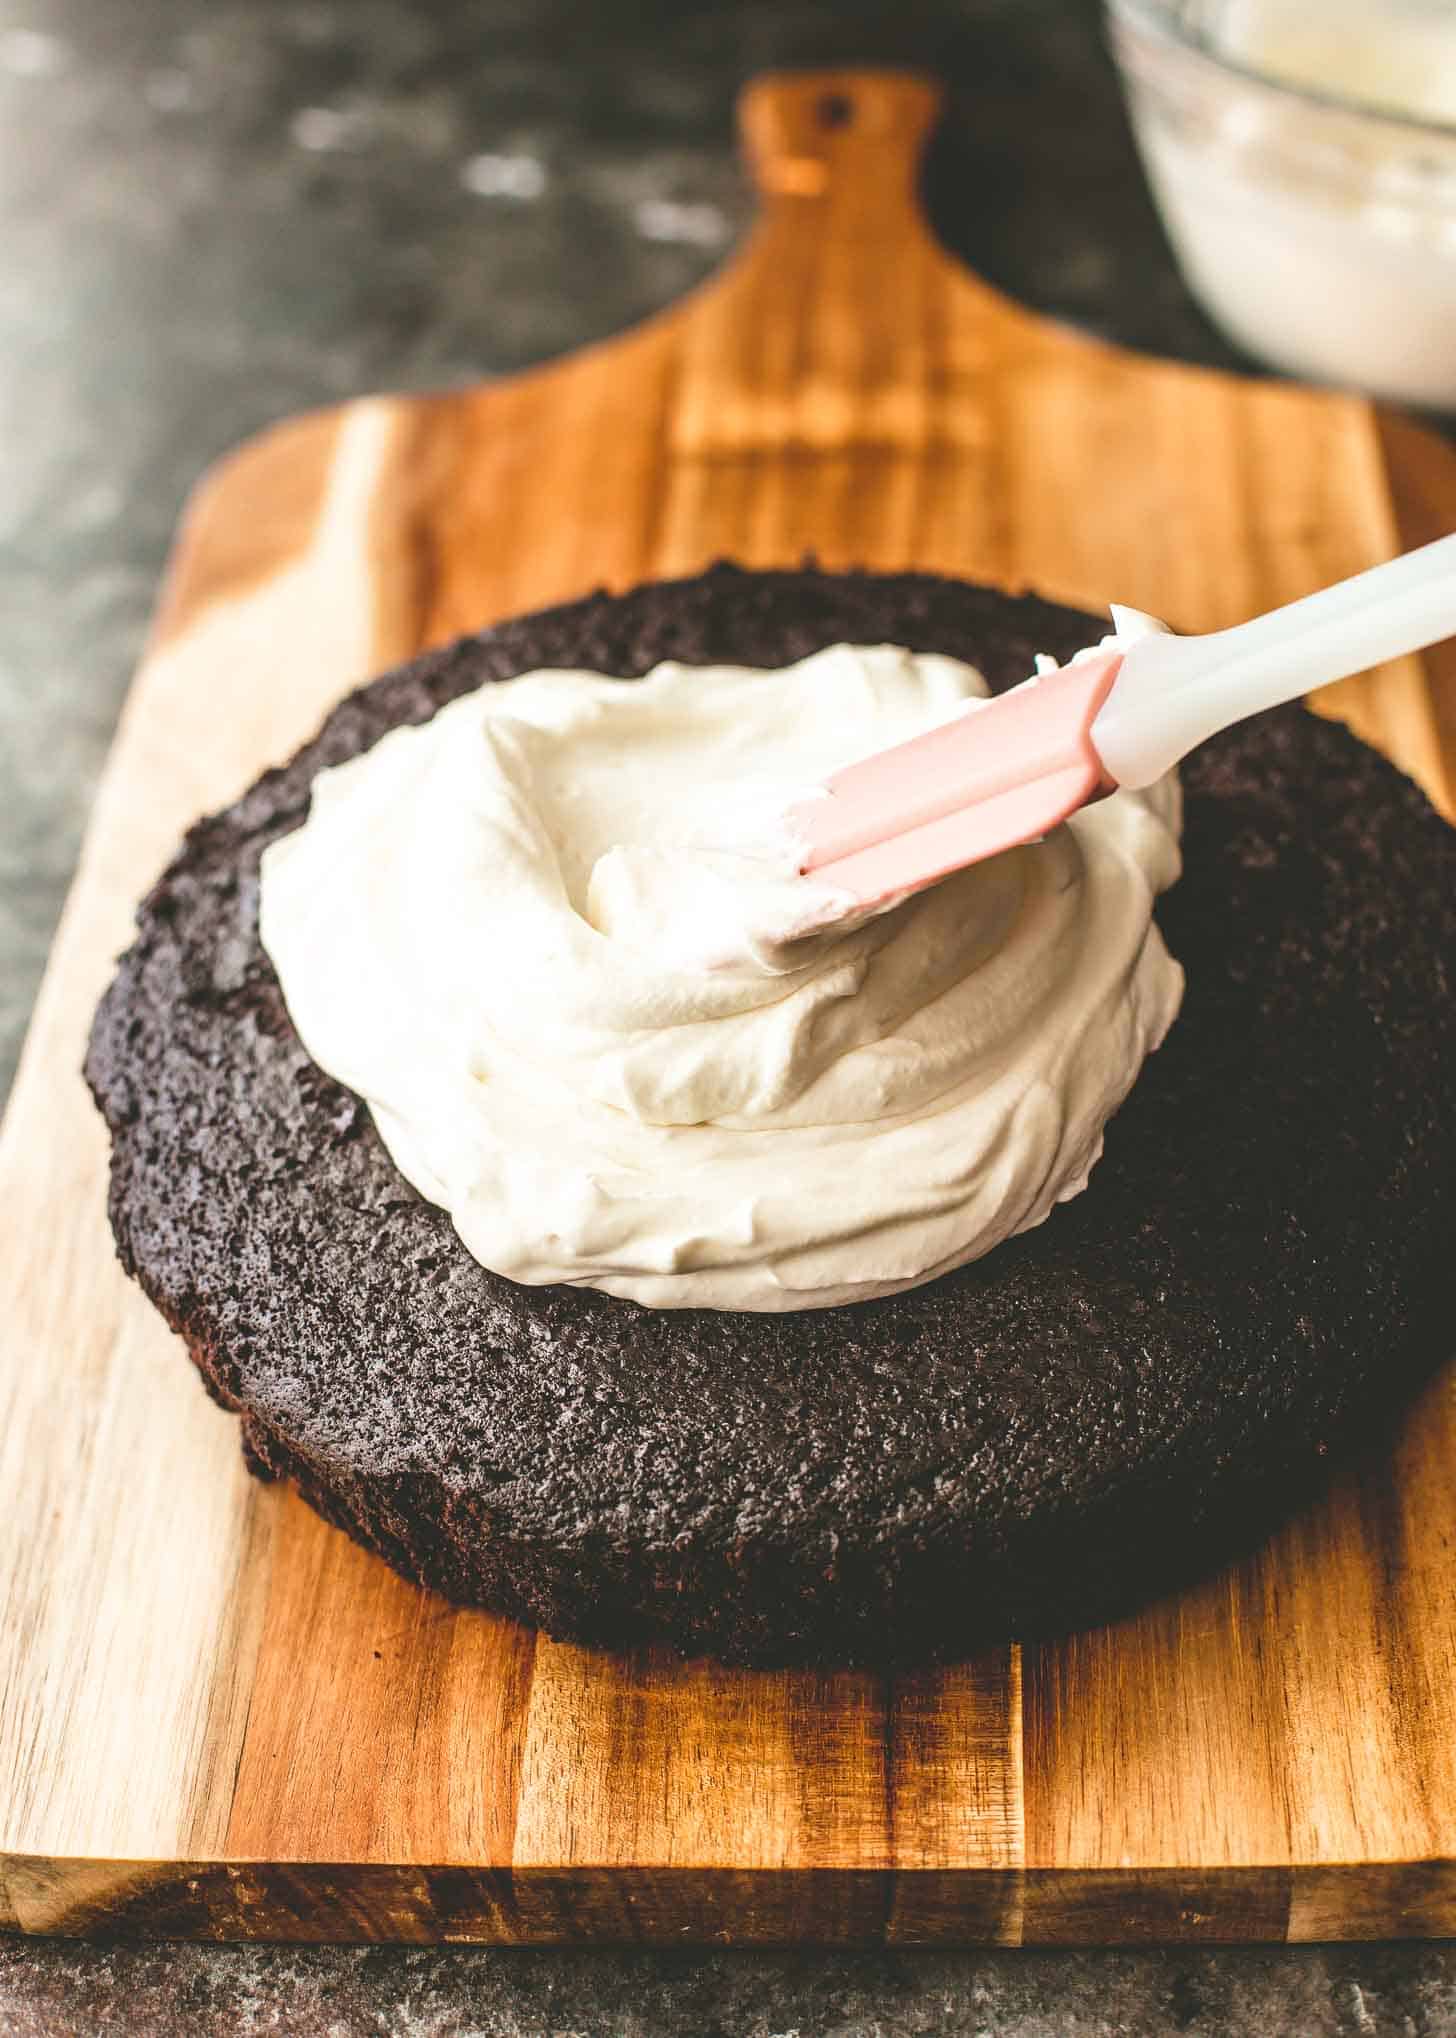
{"points": [[726, 895], [623, 1051], [1399, 55]]}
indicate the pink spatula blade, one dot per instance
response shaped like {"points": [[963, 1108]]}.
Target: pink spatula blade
{"points": [[995, 776]]}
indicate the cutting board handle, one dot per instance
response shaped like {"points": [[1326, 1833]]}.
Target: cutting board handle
{"points": [[852, 138]]}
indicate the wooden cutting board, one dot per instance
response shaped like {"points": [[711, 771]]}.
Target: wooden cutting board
{"points": [[217, 1717]]}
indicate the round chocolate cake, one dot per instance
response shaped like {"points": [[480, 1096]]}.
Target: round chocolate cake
{"points": [[1102, 1407]]}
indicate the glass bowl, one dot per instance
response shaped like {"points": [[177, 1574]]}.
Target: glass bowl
{"points": [[1317, 232]]}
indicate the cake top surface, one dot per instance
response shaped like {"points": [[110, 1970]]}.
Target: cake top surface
{"points": [[1269, 1227]]}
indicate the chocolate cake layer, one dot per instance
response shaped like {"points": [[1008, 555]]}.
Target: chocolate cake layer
{"points": [[1108, 1405]]}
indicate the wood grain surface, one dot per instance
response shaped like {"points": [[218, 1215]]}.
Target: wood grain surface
{"points": [[217, 1717]]}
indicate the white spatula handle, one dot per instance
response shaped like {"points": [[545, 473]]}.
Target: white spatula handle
{"points": [[1174, 692]]}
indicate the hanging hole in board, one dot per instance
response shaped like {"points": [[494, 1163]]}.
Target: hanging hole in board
{"points": [[836, 109]]}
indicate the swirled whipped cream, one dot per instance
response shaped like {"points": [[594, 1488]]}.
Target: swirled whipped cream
{"points": [[601, 1021]]}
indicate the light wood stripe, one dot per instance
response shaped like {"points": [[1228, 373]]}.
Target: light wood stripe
{"points": [[126, 1615], [221, 557]]}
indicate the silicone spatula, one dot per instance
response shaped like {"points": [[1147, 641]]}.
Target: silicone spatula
{"points": [[1011, 768]]}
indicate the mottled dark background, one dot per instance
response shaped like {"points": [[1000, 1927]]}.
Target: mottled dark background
{"points": [[212, 214]]}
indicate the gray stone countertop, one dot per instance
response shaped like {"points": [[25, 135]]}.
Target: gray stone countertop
{"points": [[214, 212]]}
